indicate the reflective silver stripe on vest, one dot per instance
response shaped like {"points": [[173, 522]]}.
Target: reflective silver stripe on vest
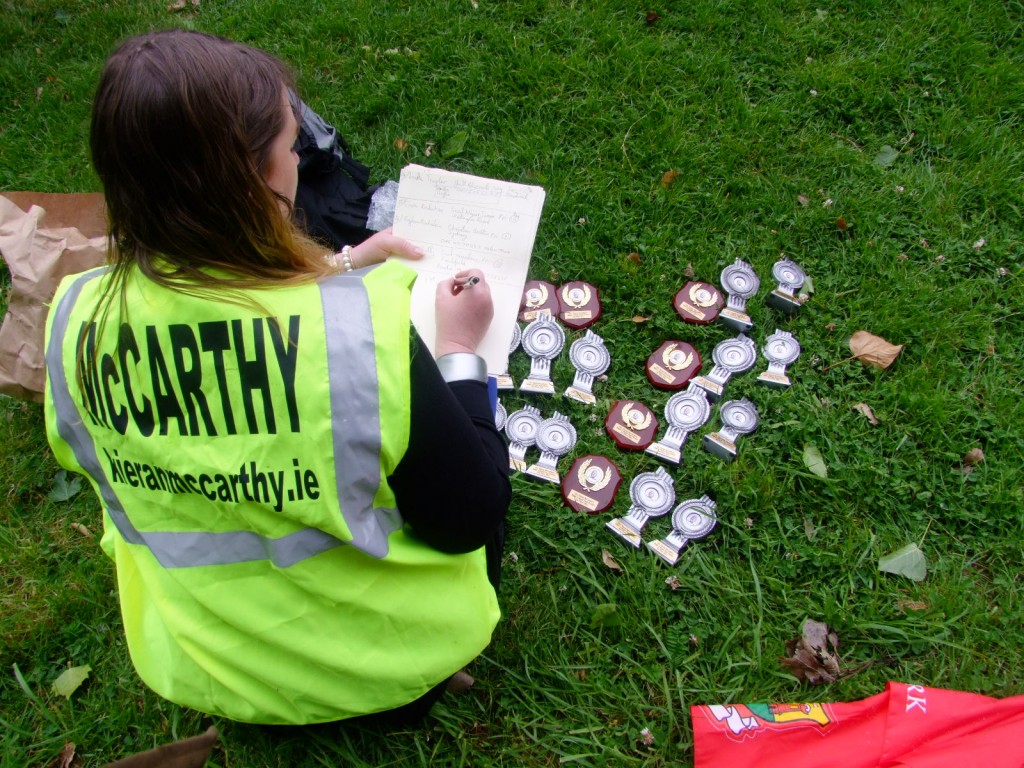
{"points": [[197, 548], [355, 406]]}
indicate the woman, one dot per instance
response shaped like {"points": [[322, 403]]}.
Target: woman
{"points": [[303, 508]]}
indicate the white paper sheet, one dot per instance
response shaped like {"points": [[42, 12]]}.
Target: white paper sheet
{"points": [[461, 222]]}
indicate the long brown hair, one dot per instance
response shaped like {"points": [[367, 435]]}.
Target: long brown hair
{"points": [[181, 127]]}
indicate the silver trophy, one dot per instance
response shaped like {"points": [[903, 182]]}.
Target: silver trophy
{"points": [[739, 417], [685, 412], [780, 349], [652, 495], [542, 340], [740, 282], [691, 520], [731, 356], [590, 358], [521, 428], [500, 416], [555, 438], [503, 378], [791, 279]]}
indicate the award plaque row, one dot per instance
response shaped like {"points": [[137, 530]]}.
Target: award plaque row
{"points": [[593, 481]]}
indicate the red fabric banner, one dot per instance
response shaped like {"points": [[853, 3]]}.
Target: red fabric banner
{"points": [[907, 726]]}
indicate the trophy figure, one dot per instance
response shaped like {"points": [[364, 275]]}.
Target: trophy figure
{"points": [[791, 279], [740, 282], [685, 412], [538, 297], [731, 356], [631, 425], [503, 378], [555, 438], [590, 358], [780, 349], [739, 417], [542, 340], [591, 483], [579, 304], [673, 364], [698, 303], [500, 416], [652, 495], [521, 428], [691, 520]]}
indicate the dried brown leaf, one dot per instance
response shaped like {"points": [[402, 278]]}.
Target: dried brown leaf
{"points": [[82, 530], [688, 272], [652, 18], [65, 758], [866, 410], [668, 178], [911, 605], [874, 350], [973, 457], [842, 225], [641, 319], [460, 682], [401, 144], [633, 257], [608, 560], [813, 656]]}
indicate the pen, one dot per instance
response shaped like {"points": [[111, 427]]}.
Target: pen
{"points": [[466, 282]]}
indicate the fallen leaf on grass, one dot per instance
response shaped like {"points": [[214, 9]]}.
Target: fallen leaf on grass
{"points": [[668, 178], [455, 144], [886, 156], [651, 18], [401, 145], [70, 680], [911, 605], [874, 350], [809, 530], [65, 758], [633, 257], [606, 615], [641, 319], [460, 682], [82, 530], [865, 409], [804, 200], [907, 561], [842, 225], [813, 656], [607, 559], [688, 272], [65, 486], [974, 457], [814, 462]]}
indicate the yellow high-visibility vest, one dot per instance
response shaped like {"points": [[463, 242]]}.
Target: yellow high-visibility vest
{"points": [[241, 455]]}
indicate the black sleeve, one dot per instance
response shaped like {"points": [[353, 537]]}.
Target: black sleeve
{"points": [[452, 485]]}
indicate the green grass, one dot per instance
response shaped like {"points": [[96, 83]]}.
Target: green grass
{"points": [[753, 104]]}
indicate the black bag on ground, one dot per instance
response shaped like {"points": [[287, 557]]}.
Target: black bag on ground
{"points": [[333, 197]]}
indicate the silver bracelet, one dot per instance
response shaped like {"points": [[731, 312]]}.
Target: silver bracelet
{"points": [[460, 366], [346, 258]]}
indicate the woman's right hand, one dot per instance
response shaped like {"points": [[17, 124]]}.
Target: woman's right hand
{"points": [[462, 313]]}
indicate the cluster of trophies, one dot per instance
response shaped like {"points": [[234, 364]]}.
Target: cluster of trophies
{"points": [[592, 482]]}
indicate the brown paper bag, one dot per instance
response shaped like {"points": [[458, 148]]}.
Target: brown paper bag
{"points": [[43, 238]]}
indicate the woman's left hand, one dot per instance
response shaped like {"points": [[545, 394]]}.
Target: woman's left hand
{"points": [[381, 246]]}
